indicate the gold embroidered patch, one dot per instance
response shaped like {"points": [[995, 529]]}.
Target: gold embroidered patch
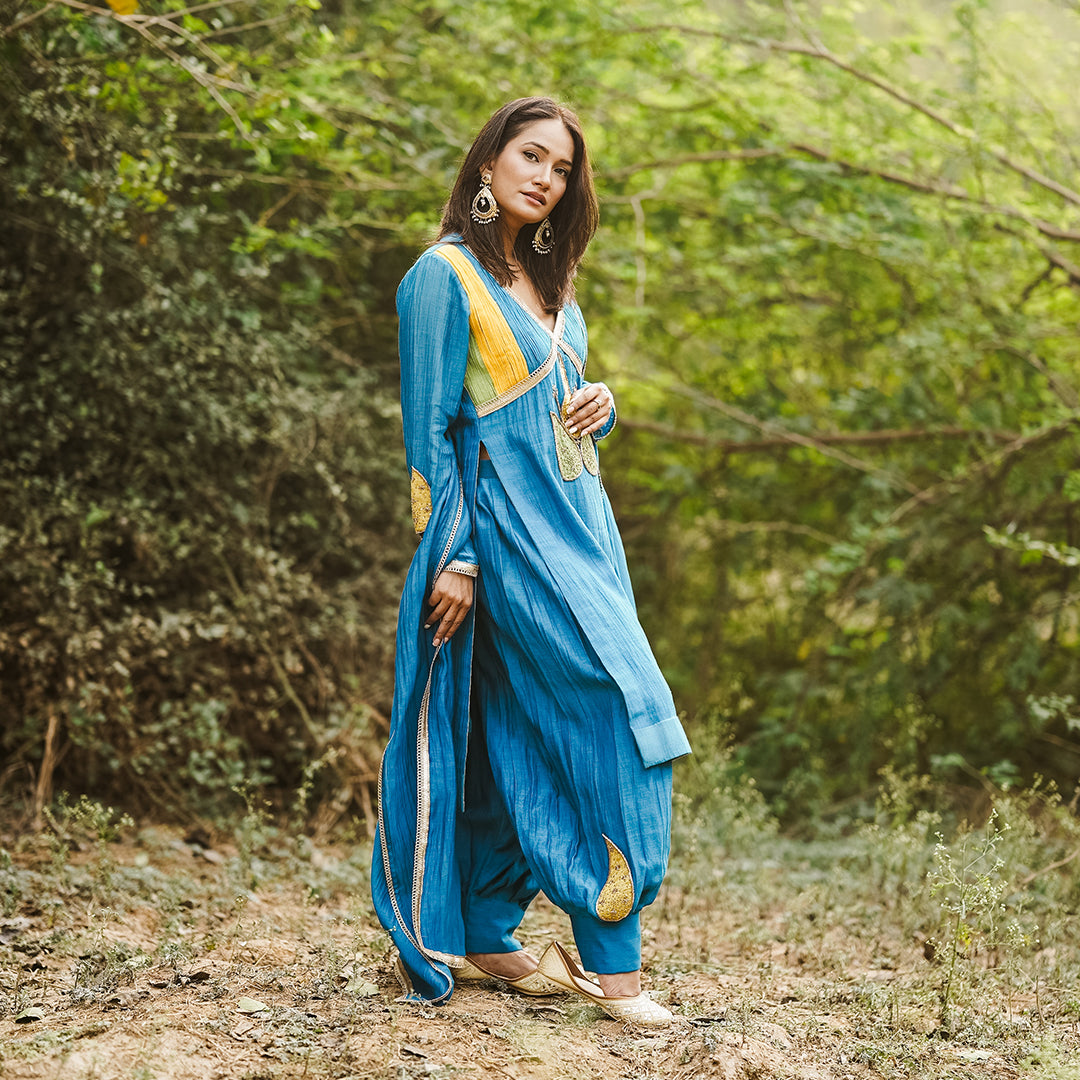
{"points": [[588, 454], [566, 450], [616, 899], [420, 491]]}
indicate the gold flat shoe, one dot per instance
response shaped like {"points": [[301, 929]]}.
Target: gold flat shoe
{"points": [[640, 1010], [531, 985]]}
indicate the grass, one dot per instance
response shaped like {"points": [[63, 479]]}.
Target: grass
{"points": [[907, 944]]}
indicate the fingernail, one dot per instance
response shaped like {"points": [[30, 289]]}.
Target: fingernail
{"points": [[572, 429], [427, 626]]}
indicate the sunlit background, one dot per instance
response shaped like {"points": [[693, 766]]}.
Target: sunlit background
{"points": [[836, 293]]}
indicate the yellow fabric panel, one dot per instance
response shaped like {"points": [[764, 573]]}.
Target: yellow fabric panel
{"points": [[495, 341]]}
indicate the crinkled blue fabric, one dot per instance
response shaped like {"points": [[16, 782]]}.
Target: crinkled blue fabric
{"points": [[585, 613], [559, 742]]}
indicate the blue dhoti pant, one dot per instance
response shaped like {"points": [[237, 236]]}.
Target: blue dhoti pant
{"points": [[553, 773]]}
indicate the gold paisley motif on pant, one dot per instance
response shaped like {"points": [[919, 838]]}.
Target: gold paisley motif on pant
{"points": [[616, 899]]}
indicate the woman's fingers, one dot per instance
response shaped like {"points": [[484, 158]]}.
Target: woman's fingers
{"points": [[588, 398], [589, 409], [450, 590], [450, 600], [439, 608], [449, 622], [446, 616], [448, 627]]}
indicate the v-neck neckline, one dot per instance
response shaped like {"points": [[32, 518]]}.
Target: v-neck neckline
{"points": [[559, 315], [550, 331]]}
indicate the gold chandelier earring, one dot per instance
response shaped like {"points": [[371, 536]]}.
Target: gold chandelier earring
{"points": [[544, 238], [484, 207]]}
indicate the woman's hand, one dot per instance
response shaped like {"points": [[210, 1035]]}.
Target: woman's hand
{"points": [[450, 600], [589, 409]]}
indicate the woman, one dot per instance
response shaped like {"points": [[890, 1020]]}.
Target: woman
{"points": [[532, 732]]}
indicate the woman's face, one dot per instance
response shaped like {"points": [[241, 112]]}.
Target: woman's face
{"points": [[529, 176]]}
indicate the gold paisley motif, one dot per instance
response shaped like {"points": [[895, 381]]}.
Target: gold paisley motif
{"points": [[588, 454], [566, 450], [420, 491], [616, 899]]}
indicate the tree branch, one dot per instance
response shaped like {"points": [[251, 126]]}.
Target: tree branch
{"points": [[1025, 881], [946, 487], [1071, 269], [948, 191], [1040, 279], [751, 154], [820, 52], [924, 187], [939, 118], [226, 30], [833, 438], [776, 527], [204, 7], [301, 182], [1066, 394], [208, 82], [20, 23], [772, 429]]}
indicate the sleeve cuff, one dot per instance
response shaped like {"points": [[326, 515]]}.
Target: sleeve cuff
{"points": [[609, 425], [459, 566]]}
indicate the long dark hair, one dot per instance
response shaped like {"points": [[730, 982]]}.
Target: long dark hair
{"points": [[574, 219]]}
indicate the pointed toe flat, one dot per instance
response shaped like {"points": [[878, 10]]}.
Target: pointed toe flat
{"points": [[557, 966], [531, 985]]}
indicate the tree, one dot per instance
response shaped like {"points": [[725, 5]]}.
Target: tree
{"points": [[835, 290]]}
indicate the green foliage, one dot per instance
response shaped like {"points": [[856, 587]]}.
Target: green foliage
{"points": [[202, 539], [845, 313], [835, 291], [970, 885]]}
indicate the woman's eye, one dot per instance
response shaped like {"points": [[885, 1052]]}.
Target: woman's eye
{"points": [[530, 155]]}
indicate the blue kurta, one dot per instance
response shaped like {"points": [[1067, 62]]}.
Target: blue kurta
{"points": [[578, 724]]}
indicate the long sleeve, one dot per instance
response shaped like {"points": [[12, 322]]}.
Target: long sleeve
{"points": [[609, 424], [433, 344]]}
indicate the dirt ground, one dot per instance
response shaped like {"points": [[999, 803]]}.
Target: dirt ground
{"points": [[181, 957]]}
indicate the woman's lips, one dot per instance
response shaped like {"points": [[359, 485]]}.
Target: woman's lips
{"points": [[534, 197]]}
